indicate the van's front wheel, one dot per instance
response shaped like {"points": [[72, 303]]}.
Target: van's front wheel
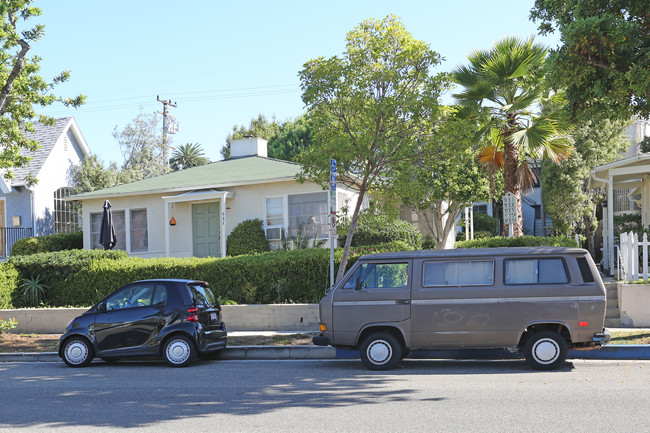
{"points": [[380, 351], [545, 350]]}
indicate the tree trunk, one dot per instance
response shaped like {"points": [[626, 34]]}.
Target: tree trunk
{"points": [[510, 165], [353, 226]]}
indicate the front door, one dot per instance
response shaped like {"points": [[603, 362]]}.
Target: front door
{"points": [[376, 293], [206, 230]]}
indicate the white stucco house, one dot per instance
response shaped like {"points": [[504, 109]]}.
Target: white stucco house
{"points": [[627, 186], [190, 213], [40, 209]]}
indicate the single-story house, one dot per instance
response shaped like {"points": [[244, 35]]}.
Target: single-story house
{"points": [[41, 209], [191, 212]]}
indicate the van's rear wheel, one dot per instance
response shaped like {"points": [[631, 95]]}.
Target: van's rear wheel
{"points": [[545, 350], [380, 351]]}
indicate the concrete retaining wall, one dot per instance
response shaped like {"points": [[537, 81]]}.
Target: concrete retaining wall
{"points": [[272, 317], [634, 305]]}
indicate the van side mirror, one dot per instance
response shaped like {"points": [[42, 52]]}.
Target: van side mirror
{"points": [[360, 285]]}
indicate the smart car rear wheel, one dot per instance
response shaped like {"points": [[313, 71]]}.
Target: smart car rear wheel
{"points": [[380, 351], [179, 351], [77, 352], [545, 350]]}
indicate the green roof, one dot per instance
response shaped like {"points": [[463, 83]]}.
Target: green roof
{"points": [[221, 174]]}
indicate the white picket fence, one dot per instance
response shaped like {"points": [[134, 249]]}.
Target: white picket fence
{"points": [[629, 257]]}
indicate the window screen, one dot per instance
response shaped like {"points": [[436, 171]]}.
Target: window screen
{"points": [[536, 271], [459, 273]]}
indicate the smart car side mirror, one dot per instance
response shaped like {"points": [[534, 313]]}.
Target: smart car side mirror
{"points": [[101, 307]]}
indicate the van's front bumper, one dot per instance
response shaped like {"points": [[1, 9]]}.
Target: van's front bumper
{"points": [[321, 340]]}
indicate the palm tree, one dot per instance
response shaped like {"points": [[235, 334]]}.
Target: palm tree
{"points": [[186, 156], [504, 86]]}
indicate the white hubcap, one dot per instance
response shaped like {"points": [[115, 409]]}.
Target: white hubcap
{"points": [[76, 352], [379, 352], [546, 351], [178, 351]]}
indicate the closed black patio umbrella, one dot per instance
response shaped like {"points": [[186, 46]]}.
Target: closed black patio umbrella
{"points": [[107, 231]]}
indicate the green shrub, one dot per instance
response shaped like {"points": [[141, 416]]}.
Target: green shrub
{"points": [[247, 238], [44, 244], [628, 223], [6, 325], [9, 280], [373, 229], [57, 270], [521, 241]]}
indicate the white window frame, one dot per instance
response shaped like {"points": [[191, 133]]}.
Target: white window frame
{"points": [[128, 247], [285, 217]]}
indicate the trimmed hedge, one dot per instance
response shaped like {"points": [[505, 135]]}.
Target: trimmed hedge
{"points": [[380, 229], [57, 270], [44, 244], [81, 278], [248, 238], [9, 281], [521, 241]]}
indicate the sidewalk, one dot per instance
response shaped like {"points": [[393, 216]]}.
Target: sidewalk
{"points": [[609, 352]]}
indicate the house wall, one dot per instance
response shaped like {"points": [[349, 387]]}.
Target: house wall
{"points": [[54, 174], [248, 202], [18, 204]]}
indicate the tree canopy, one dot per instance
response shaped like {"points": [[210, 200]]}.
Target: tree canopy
{"points": [[444, 178], [604, 60], [369, 107], [503, 87], [187, 156], [21, 88]]}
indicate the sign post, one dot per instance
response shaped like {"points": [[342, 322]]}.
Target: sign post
{"points": [[510, 211], [332, 217]]}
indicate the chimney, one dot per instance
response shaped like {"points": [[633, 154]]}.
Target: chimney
{"points": [[248, 146]]}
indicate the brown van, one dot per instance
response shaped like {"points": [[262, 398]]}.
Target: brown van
{"points": [[541, 301]]}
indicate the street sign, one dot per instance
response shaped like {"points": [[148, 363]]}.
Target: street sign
{"points": [[510, 208]]}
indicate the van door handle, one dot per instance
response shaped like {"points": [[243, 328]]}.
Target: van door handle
{"points": [[402, 301]]}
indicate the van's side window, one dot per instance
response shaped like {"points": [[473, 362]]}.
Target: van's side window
{"points": [[460, 273], [535, 271], [379, 275]]}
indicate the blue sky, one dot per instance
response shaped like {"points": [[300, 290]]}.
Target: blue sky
{"points": [[225, 62]]}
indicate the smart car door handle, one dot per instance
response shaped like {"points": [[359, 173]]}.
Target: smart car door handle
{"points": [[403, 301]]}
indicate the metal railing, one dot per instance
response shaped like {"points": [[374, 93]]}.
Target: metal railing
{"points": [[9, 235]]}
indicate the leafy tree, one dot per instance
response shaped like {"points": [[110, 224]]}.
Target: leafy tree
{"points": [[21, 87], [187, 156], [142, 148], [293, 138], [444, 178], [369, 107], [568, 200], [91, 175], [259, 127], [509, 79], [604, 60]]}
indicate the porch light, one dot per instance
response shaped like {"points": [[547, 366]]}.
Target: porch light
{"points": [[172, 222]]}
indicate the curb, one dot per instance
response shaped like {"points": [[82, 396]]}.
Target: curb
{"points": [[610, 352]]}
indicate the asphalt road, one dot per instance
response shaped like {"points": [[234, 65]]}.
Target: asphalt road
{"points": [[327, 396]]}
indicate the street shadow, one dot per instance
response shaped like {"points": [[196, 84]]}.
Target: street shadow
{"points": [[141, 393]]}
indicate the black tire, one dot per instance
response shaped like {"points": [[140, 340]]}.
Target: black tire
{"points": [[179, 351], [77, 352], [545, 350], [381, 351]]}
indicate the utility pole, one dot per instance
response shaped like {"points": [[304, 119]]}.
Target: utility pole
{"points": [[170, 125]]}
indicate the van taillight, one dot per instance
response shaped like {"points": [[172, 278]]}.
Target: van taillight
{"points": [[193, 317]]}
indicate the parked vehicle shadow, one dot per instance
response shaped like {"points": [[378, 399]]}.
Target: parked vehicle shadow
{"points": [[137, 394]]}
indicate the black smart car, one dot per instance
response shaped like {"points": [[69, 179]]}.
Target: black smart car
{"points": [[173, 319]]}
